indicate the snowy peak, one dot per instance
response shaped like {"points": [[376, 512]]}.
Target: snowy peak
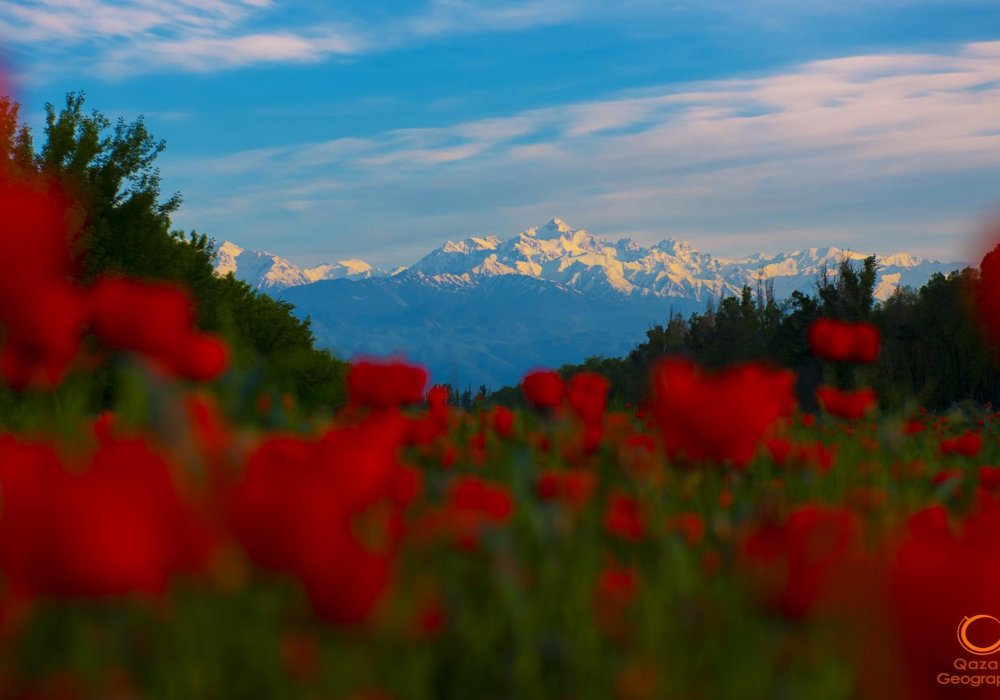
{"points": [[899, 260], [491, 267], [553, 229], [342, 269], [470, 245], [457, 257], [226, 257], [271, 273], [676, 248], [554, 245], [261, 270], [557, 252]]}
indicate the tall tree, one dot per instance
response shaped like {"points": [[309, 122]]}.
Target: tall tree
{"points": [[109, 169], [851, 294]]}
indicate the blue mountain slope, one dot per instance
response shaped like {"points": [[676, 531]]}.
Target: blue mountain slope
{"points": [[490, 331]]}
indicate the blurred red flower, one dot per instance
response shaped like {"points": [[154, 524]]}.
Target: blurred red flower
{"points": [[938, 578], [623, 518], [588, 396], [544, 389], [791, 563], [385, 384], [156, 319], [840, 341], [41, 313], [471, 493], [846, 404], [988, 290], [691, 525], [503, 420], [118, 527], [328, 510], [968, 444], [617, 586], [718, 417], [574, 488]]}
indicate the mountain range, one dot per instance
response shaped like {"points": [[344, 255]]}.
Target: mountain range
{"points": [[485, 310]]}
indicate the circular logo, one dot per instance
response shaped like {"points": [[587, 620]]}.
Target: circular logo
{"points": [[963, 635]]}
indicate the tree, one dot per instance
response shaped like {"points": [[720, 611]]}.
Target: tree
{"points": [[17, 157], [109, 169], [851, 295]]}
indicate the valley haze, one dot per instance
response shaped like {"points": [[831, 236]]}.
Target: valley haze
{"points": [[485, 310]]}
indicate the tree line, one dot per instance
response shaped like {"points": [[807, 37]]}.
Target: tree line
{"points": [[933, 349]]}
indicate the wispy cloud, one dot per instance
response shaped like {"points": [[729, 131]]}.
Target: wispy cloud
{"points": [[454, 16], [874, 134], [125, 37], [114, 38]]}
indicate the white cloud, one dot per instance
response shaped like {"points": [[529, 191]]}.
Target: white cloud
{"points": [[125, 37], [453, 16], [827, 145]]}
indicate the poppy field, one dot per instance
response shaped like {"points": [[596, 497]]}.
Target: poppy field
{"points": [[716, 541]]}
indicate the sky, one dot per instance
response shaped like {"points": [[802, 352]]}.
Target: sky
{"points": [[379, 129]]}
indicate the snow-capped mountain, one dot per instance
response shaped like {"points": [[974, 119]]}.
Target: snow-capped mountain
{"points": [[580, 260], [260, 270], [671, 268], [271, 273], [485, 310]]}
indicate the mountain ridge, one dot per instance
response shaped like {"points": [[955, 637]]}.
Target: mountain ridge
{"points": [[485, 310], [557, 252]]}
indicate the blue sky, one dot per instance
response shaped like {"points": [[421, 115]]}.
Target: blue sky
{"points": [[378, 130]]}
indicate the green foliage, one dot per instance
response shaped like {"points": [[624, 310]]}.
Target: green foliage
{"points": [[933, 350], [125, 227], [851, 294], [17, 156]]}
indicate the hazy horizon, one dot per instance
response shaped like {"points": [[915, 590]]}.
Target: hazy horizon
{"points": [[320, 258]]}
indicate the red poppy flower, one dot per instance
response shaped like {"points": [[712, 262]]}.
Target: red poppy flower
{"points": [[263, 504], [988, 290], [385, 384], [42, 329], [839, 341], [328, 511], [816, 455], [41, 313], [588, 396], [344, 577], [617, 585], [156, 319], [846, 404], [937, 580], [793, 562], [968, 444], [779, 449], [544, 389], [989, 479], [691, 525], [202, 357], [503, 420], [718, 417], [474, 494], [472, 505], [573, 488], [152, 318], [623, 518], [118, 527]]}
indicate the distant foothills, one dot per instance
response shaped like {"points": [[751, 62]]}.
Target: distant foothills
{"points": [[483, 311]]}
